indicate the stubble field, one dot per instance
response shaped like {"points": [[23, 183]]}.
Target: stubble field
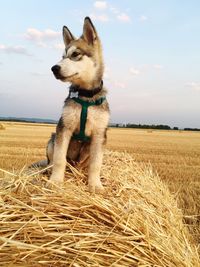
{"points": [[174, 155]]}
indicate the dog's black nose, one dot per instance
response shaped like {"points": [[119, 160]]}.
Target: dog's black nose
{"points": [[56, 69]]}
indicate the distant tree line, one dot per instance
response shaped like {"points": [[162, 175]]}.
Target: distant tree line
{"points": [[29, 120], [152, 126], [191, 129], [145, 126]]}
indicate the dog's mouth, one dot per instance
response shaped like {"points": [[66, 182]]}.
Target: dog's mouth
{"points": [[63, 78]]}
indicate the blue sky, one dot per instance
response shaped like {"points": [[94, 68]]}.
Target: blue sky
{"points": [[151, 52]]}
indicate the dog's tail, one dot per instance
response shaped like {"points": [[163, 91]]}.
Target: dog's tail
{"points": [[40, 164]]}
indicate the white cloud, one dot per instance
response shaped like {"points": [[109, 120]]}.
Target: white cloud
{"points": [[123, 17], [158, 66], [37, 74], [39, 37], [103, 11], [194, 86], [59, 46], [115, 84], [134, 71], [143, 18], [100, 4], [42, 44], [107, 73], [119, 85], [114, 10], [102, 17], [9, 49]]}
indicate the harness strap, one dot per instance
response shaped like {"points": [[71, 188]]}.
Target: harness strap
{"points": [[83, 118]]}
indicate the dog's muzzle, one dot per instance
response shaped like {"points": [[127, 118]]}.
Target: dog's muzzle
{"points": [[56, 71]]}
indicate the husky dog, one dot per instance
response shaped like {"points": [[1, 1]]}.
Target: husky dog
{"points": [[81, 130]]}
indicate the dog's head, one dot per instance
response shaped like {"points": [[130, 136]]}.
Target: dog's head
{"points": [[82, 62]]}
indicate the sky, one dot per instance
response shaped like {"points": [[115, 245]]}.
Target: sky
{"points": [[151, 54]]}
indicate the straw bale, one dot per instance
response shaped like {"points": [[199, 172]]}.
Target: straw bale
{"points": [[136, 221], [2, 126]]}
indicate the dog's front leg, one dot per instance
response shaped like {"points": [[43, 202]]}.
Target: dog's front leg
{"points": [[96, 156], [62, 140]]}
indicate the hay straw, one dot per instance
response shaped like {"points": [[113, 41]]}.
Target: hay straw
{"points": [[135, 223], [40, 171], [7, 172], [2, 126]]}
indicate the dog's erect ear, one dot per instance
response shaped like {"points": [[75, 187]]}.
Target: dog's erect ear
{"points": [[89, 31], [67, 36]]}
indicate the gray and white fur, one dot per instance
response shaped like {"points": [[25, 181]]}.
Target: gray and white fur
{"points": [[82, 66]]}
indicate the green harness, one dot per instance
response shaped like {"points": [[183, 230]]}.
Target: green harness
{"points": [[83, 118]]}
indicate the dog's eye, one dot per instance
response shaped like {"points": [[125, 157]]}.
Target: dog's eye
{"points": [[75, 55]]}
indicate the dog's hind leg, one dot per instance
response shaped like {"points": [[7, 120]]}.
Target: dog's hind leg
{"points": [[49, 154], [39, 164], [50, 149]]}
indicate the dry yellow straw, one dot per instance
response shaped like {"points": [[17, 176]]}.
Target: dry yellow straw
{"points": [[135, 223], [7, 172]]}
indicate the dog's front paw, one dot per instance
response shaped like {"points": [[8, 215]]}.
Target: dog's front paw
{"points": [[54, 181], [96, 187]]}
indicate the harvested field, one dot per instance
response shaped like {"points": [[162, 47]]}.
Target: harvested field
{"points": [[136, 223]]}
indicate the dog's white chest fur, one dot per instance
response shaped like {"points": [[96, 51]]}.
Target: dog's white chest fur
{"points": [[97, 118]]}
